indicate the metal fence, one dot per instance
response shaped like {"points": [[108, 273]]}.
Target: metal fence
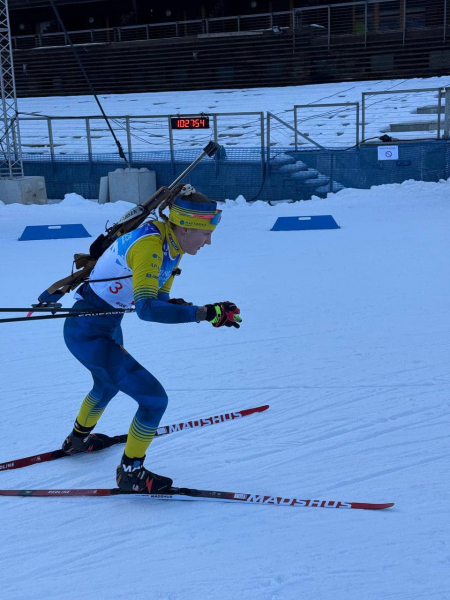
{"points": [[90, 135], [405, 115], [333, 25], [200, 27], [359, 22], [408, 114]]}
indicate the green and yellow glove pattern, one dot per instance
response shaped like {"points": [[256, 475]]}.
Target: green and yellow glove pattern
{"points": [[223, 314]]}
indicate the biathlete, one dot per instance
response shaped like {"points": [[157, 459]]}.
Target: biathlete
{"points": [[138, 270]]}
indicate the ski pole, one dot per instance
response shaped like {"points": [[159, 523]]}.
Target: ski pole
{"points": [[61, 309], [67, 315]]}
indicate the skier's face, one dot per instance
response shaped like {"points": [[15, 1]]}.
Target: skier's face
{"points": [[192, 240]]}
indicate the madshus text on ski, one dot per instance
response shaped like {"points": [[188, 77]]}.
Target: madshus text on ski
{"points": [[121, 439]]}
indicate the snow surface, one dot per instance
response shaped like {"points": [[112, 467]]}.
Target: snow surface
{"points": [[330, 127], [345, 334]]}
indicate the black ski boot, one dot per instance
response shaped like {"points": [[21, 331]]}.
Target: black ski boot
{"points": [[84, 441], [132, 477]]}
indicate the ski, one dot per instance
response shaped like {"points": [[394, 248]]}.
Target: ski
{"points": [[193, 494], [121, 439]]}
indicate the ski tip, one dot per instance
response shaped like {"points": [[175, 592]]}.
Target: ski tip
{"points": [[372, 506], [252, 411]]}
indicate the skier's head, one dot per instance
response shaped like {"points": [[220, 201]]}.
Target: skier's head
{"points": [[193, 217]]}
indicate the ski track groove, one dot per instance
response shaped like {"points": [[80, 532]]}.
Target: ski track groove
{"points": [[383, 473]]}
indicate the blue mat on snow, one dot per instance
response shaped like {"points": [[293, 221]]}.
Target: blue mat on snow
{"points": [[53, 232], [305, 223]]}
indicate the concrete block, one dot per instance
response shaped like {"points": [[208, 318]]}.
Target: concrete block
{"points": [[103, 194], [23, 190], [131, 185]]}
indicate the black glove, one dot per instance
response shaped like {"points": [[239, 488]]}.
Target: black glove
{"points": [[223, 314], [179, 301]]}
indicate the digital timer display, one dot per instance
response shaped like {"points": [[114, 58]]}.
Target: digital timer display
{"points": [[189, 122]]}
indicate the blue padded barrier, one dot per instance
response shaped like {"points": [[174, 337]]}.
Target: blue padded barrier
{"points": [[277, 174], [53, 232], [305, 223]]}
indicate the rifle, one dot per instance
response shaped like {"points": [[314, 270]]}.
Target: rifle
{"points": [[130, 221]]}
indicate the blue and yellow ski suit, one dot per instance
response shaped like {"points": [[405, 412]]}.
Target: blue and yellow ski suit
{"points": [[139, 268]]}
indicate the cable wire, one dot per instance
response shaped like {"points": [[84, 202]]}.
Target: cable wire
{"points": [[118, 144]]}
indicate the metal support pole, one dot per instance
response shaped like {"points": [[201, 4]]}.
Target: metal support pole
{"points": [[447, 114], [363, 117], [130, 150], [215, 128], [268, 145], [172, 157], [439, 114], [11, 158], [261, 121], [14, 123], [216, 156], [357, 123], [331, 170], [88, 137], [295, 127], [50, 138]]}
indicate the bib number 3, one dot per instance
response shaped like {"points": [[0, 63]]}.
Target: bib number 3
{"points": [[117, 288]]}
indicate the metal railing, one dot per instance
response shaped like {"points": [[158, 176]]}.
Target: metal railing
{"points": [[415, 114], [201, 27], [334, 110], [331, 25], [405, 119], [136, 132], [292, 130], [359, 22]]}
